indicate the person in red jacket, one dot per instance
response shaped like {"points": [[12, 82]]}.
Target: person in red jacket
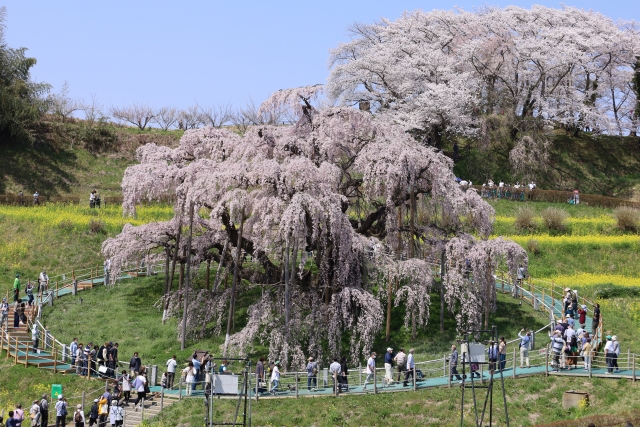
{"points": [[582, 312]]}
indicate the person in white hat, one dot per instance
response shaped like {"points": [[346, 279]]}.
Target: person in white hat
{"points": [[388, 366], [582, 315]]}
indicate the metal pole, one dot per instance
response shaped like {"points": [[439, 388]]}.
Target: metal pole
{"points": [[249, 412], [162, 398], [180, 387], [83, 401], [297, 383], [513, 374]]}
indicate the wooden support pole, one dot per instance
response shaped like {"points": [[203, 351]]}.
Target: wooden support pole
{"points": [[55, 360], [375, 381], [297, 383], [513, 374], [16, 353]]}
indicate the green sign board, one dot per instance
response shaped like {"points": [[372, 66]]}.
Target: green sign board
{"points": [[56, 390]]}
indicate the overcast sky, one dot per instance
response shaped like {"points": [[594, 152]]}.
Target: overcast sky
{"points": [[211, 52]]}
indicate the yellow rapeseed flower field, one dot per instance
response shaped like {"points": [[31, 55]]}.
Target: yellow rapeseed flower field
{"points": [[588, 279]]}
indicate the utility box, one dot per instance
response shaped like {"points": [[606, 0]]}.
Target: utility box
{"points": [[572, 398]]}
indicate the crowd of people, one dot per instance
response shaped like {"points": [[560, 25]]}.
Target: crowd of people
{"points": [[504, 190]]}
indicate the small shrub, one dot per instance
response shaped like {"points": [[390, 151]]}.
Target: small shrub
{"points": [[555, 219], [525, 219], [66, 225], [628, 218], [533, 247], [97, 227]]}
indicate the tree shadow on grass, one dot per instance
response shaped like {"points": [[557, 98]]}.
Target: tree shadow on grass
{"points": [[42, 169]]}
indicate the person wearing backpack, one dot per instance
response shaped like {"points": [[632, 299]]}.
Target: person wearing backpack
{"points": [[115, 414], [78, 416], [35, 414], [61, 412], [44, 411], [103, 411]]}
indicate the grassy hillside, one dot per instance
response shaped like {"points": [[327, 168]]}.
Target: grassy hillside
{"points": [[605, 165]]}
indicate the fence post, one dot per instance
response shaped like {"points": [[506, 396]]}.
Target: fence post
{"points": [[26, 356], [359, 374], [180, 388], [297, 383], [449, 373], [16, 353], [82, 400], [55, 360], [591, 364], [513, 374], [335, 384], [414, 377], [628, 359], [546, 362], [56, 289], [375, 381], [162, 398], [444, 366], [543, 302], [633, 375]]}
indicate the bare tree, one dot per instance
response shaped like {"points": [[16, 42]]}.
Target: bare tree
{"points": [[166, 117], [93, 110], [216, 116], [190, 118], [62, 105], [252, 114], [136, 114]]}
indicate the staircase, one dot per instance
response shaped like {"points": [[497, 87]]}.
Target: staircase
{"points": [[152, 407]]}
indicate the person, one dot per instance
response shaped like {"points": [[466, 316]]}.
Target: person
{"points": [[453, 364], [29, 292], [73, 349], [44, 411], [570, 320], [344, 373], [596, 318], [401, 361], [93, 413], [36, 198], [16, 315], [163, 380], [103, 411], [10, 421], [4, 312], [43, 282], [208, 381], [34, 412], [189, 375], [115, 414], [388, 366], [61, 411], [371, 369], [275, 377], [586, 354], [616, 353], [97, 199], [78, 416], [134, 364], [107, 269], [18, 415], [21, 198], [410, 368], [557, 346], [126, 386], [609, 351], [525, 341], [92, 199], [521, 274], [493, 352], [582, 313], [81, 360], [34, 337], [312, 372], [171, 370], [16, 288], [140, 385], [196, 370], [335, 371], [113, 359]]}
